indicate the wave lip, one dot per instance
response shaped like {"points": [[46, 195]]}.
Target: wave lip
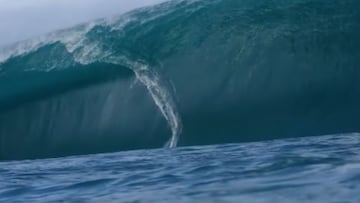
{"points": [[192, 72]]}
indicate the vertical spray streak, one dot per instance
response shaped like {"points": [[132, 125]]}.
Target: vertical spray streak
{"points": [[162, 99], [159, 93]]}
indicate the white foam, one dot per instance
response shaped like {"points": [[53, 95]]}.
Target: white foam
{"points": [[75, 38], [71, 38], [87, 51]]}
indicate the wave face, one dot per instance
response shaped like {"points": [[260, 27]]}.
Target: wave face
{"points": [[184, 73]]}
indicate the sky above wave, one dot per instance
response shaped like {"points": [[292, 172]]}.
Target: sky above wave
{"points": [[23, 19]]}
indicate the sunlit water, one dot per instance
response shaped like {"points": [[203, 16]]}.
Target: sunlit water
{"points": [[313, 169]]}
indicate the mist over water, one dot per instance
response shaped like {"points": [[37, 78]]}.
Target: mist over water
{"points": [[23, 19]]}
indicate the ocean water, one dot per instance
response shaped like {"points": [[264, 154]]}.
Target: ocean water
{"points": [[183, 73], [141, 107], [316, 169]]}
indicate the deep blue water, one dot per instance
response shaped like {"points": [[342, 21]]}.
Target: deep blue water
{"points": [[176, 82], [313, 169], [184, 72]]}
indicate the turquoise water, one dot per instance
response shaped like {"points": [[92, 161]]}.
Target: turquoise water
{"points": [[316, 169], [183, 73], [141, 107]]}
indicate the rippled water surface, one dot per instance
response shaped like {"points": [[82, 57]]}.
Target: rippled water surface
{"points": [[315, 169]]}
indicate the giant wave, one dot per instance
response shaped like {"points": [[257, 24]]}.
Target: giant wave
{"points": [[183, 72]]}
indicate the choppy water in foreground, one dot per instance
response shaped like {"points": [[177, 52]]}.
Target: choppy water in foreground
{"points": [[312, 169]]}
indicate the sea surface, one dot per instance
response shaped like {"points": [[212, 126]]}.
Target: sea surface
{"points": [[311, 169], [140, 107]]}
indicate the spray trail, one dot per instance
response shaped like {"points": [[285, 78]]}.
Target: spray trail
{"points": [[159, 93], [162, 98]]}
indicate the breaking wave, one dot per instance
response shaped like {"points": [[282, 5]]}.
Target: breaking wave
{"points": [[183, 72]]}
